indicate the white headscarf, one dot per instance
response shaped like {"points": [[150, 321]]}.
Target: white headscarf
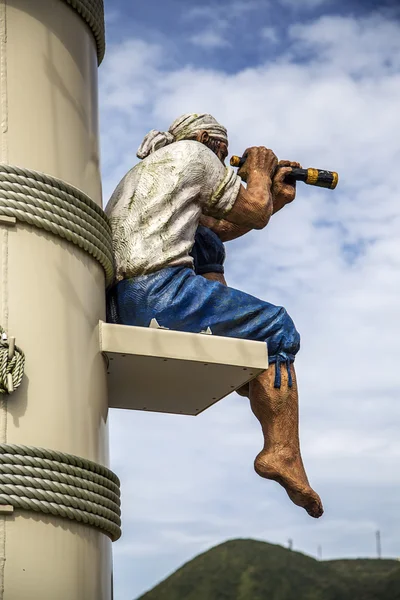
{"points": [[184, 128]]}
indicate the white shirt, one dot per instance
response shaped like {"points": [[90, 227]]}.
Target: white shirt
{"points": [[155, 209]]}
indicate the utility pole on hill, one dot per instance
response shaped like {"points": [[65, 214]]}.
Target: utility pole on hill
{"points": [[378, 544]]}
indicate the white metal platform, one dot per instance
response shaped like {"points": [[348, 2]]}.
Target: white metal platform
{"points": [[174, 372]]}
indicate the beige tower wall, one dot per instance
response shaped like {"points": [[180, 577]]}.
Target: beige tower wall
{"points": [[52, 294], [52, 92]]}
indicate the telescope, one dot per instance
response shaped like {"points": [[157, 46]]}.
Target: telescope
{"points": [[317, 177]]}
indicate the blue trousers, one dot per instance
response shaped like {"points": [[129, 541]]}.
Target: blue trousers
{"points": [[181, 300]]}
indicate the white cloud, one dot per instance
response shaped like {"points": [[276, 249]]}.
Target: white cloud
{"points": [[223, 10], [270, 34], [331, 41], [218, 19], [209, 38], [188, 482]]}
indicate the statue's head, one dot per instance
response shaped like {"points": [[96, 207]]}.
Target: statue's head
{"points": [[192, 126], [204, 129], [219, 147]]}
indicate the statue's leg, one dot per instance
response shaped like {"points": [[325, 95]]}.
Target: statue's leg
{"points": [[277, 411], [183, 301], [280, 459]]}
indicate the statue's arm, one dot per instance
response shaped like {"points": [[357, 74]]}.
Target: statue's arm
{"points": [[225, 230], [254, 204]]}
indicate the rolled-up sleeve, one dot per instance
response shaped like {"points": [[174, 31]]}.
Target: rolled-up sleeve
{"points": [[220, 185], [224, 194]]}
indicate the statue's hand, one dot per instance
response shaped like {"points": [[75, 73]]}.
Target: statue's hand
{"points": [[282, 192], [259, 161]]}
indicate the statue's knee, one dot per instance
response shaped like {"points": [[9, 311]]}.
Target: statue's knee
{"points": [[287, 339], [293, 335]]}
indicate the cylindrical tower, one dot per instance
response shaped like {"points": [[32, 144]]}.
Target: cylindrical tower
{"points": [[58, 506]]}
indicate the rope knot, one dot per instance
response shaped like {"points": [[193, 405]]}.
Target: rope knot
{"points": [[12, 363]]}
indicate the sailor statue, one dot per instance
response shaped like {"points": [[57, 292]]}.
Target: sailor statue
{"points": [[170, 216]]}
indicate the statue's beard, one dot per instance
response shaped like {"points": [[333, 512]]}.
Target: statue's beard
{"points": [[214, 145]]}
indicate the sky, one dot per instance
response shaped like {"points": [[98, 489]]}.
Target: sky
{"points": [[318, 81]]}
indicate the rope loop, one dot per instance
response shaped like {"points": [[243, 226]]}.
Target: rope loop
{"points": [[61, 209], [64, 485], [12, 363]]}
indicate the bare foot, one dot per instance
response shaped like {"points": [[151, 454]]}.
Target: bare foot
{"points": [[290, 474]]}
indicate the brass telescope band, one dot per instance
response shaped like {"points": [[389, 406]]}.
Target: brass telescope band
{"points": [[317, 177]]}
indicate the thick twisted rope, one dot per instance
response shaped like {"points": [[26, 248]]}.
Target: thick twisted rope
{"points": [[60, 484], [40, 467], [12, 363], [51, 204], [34, 473], [92, 12]]}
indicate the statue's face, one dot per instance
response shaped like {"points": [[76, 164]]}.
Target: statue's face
{"points": [[221, 150], [219, 147]]}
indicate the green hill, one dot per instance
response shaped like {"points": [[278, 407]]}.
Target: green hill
{"points": [[251, 570]]}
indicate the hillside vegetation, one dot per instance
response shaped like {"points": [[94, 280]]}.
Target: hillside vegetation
{"points": [[252, 570]]}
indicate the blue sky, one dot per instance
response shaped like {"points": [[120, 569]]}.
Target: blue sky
{"points": [[320, 85]]}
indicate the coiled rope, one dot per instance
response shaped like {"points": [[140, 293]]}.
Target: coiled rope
{"points": [[60, 484], [12, 363], [92, 12], [51, 204]]}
